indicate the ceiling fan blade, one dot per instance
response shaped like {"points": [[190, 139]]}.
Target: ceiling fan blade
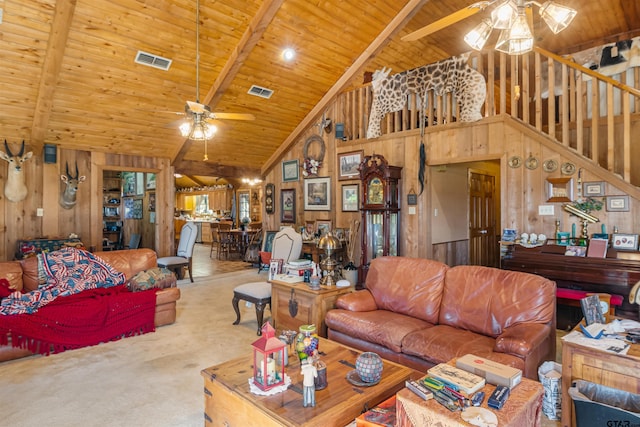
{"points": [[445, 22], [234, 116]]}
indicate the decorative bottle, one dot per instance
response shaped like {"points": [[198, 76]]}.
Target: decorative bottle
{"points": [[306, 342]]}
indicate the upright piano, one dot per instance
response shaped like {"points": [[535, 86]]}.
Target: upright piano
{"points": [[616, 274]]}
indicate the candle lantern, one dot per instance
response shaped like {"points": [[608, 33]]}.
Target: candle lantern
{"points": [[268, 354]]}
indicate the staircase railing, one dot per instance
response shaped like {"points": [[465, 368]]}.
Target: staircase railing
{"points": [[549, 92]]}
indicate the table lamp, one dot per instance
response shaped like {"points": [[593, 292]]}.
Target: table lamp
{"points": [[329, 244]]}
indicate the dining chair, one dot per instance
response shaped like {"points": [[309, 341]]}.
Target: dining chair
{"points": [[184, 254], [225, 239], [287, 245], [215, 238]]}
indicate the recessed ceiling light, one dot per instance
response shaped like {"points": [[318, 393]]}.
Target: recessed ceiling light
{"points": [[288, 54]]}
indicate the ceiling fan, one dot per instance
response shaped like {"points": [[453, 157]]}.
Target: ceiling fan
{"points": [[198, 125]]}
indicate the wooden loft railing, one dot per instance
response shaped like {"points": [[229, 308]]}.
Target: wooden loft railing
{"points": [[596, 124]]}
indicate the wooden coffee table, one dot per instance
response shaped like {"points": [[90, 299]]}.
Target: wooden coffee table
{"points": [[229, 403]]}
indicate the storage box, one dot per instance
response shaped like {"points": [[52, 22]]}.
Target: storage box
{"points": [[382, 415], [493, 372]]}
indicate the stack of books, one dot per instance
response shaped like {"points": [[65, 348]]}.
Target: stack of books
{"points": [[297, 267]]}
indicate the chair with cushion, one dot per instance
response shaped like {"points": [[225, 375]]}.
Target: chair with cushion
{"points": [[287, 246], [184, 253], [134, 242]]}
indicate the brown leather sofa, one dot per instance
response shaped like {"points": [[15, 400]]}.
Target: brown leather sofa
{"points": [[24, 275], [420, 312]]}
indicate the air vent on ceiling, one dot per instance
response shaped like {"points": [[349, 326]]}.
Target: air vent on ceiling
{"points": [[262, 92], [152, 60]]}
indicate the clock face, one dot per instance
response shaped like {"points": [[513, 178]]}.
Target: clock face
{"points": [[375, 192], [269, 190], [269, 200]]}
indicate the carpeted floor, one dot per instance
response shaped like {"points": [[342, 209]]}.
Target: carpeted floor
{"points": [[149, 380]]}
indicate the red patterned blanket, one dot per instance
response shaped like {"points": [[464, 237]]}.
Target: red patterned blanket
{"points": [[79, 320]]}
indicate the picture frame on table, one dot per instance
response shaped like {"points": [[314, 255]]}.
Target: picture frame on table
{"points": [[592, 189], [348, 164], [317, 194], [617, 203], [288, 205], [350, 196], [625, 242], [290, 171], [275, 267], [323, 226]]}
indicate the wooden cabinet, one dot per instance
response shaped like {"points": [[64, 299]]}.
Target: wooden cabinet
{"points": [[206, 232], [620, 371], [312, 305]]}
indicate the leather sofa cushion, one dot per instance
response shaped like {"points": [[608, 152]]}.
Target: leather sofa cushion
{"points": [[410, 286], [130, 261], [488, 300], [442, 343], [380, 326]]}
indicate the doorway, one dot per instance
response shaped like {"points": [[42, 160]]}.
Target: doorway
{"points": [[483, 247]]}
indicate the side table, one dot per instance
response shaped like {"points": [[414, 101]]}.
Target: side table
{"points": [[620, 371], [309, 306], [523, 408]]}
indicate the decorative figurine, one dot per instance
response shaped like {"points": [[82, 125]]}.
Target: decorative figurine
{"points": [[309, 373]]}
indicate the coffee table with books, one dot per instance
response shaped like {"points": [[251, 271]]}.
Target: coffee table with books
{"points": [[228, 401]]}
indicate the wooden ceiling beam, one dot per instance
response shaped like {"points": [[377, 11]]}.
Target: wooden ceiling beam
{"points": [[196, 180], [248, 41], [395, 25], [202, 168], [62, 19]]}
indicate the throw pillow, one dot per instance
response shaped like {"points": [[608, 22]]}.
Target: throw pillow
{"points": [[5, 290], [156, 277]]}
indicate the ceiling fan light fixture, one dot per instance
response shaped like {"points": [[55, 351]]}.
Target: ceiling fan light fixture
{"points": [[478, 37], [518, 39], [502, 16], [556, 16]]}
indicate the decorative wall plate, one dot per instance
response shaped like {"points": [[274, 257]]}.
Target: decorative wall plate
{"points": [[531, 163], [568, 168], [515, 162], [549, 165]]}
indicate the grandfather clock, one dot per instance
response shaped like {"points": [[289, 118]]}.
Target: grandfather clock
{"points": [[380, 210]]}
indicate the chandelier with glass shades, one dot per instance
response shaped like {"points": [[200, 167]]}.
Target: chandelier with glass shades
{"points": [[510, 17]]}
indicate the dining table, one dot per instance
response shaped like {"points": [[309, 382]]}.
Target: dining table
{"points": [[237, 239]]}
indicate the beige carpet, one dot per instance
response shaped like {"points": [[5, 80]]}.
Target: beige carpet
{"points": [[149, 380]]}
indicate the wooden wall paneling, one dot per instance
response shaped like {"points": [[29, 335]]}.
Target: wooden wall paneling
{"points": [[32, 224], [50, 220]]}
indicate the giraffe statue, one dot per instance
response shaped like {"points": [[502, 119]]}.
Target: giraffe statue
{"points": [[449, 75]]}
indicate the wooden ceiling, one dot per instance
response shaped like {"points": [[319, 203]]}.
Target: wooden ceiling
{"points": [[68, 75]]}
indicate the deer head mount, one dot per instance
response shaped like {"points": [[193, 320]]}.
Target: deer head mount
{"points": [[15, 188], [68, 196]]}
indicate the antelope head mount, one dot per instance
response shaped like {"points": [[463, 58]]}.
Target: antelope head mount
{"points": [[68, 196], [15, 188]]}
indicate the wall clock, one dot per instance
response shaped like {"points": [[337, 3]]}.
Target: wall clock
{"points": [[268, 198]]}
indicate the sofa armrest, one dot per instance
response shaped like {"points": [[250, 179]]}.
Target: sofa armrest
{"points": [[523, 339], [361, 300]]}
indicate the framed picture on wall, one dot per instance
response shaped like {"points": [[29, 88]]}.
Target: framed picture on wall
{"points": [[151, 181], [348, 164], [350, 198], [317, 194], [139, 183], [290, 170], [288, 205], [128, 184], [618, 204]]}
